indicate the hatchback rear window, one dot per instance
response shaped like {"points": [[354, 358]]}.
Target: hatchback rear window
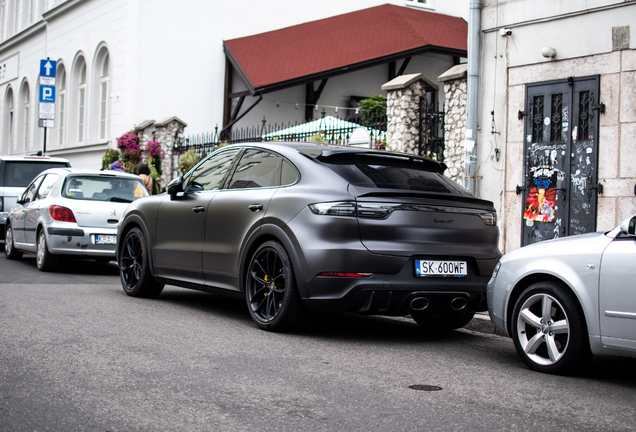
{"points": [[20, 174], [103, 188], [392, 173]]}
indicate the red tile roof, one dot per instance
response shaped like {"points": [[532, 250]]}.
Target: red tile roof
{"points": [[305, 52]]}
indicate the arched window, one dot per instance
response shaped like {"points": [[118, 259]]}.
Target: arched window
{"points": [[25, 116], [104, 84], [8, 120], [61, 103], [81, 102]]}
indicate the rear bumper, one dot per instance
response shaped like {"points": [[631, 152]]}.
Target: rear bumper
{"points": [[394, 294], [79, 241]]}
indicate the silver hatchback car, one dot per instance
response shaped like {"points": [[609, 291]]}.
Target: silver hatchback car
{"points": [[71, 212], [563, 300]]}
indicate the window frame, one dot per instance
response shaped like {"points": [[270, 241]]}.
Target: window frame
{"points": [[104, 89], [81, 102], [61, 105]]}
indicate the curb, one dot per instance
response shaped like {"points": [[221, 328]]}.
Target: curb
{"points": [[481, 323]]}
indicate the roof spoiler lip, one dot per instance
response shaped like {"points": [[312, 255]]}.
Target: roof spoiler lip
{"points": [[323, 153]]}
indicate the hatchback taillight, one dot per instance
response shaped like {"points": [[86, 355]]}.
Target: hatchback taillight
{"points": [[62, 214]]}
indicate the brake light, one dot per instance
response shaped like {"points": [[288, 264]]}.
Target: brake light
{"points": [[62, 214], [342, 274]]}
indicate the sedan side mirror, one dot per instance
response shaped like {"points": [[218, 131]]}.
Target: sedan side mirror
{"points": [[628, 227], [175, 187]]}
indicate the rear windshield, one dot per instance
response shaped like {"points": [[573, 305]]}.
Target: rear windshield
{"points": [[388, 173], [20, 174], [104, 188]]}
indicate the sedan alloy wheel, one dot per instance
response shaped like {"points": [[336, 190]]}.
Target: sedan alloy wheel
{"points": [[9, 248], [549, 330]]}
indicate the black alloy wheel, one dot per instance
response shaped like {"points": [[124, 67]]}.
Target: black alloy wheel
{"points": [[134, 266], [549, 329], [9, 248], [272, 295]]}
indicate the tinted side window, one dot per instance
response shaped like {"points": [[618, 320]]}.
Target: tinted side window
{"points": [[257, 168], [210, 174], [289, 175], [20, 174], [45, 188]]}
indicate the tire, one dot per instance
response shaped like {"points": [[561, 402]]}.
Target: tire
{"points": [[45, 261], [134, 266], [443, 322], [9, 248], [272, 296], [549, 329]]}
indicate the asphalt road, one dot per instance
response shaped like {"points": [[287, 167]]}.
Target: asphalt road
{"points": [[77, 354]]}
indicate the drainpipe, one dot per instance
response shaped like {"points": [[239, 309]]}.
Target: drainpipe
{"points": [[470, 156]]}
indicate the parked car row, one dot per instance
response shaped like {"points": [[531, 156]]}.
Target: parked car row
{"points": [[296, 228]]}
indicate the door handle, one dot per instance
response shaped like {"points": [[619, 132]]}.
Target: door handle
{"points": [[256, 207], [199, 209]]}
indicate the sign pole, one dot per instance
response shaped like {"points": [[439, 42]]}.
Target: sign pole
{"points": [[44, 150]]}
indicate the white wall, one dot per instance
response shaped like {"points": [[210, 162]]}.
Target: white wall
{"points": [[581, 33], [166, 59]]}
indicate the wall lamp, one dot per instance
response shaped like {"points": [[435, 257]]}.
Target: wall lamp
{"points": [[548, 52]]}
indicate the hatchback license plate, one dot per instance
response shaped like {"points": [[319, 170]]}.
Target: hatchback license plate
{"points": [[105, 239], [425, 268]]}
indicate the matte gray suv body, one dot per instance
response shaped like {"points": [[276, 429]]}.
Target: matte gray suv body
{"points": [[300, 226]]}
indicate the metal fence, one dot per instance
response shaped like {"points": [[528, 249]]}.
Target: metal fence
{"points": [[332, 130]]}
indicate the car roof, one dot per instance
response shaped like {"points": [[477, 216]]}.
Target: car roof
{"points": [[91, 172], [321, 151], [15, 158]]}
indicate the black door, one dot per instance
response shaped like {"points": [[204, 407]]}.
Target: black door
{"points": [[561, 159]]}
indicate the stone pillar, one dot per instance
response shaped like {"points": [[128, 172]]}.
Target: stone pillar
{"points": [[166, 132], [454, 120], [403, 111]]}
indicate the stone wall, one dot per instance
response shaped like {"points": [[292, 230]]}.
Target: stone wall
{"points": [[403, 112], [455, 85], [166, 132]]}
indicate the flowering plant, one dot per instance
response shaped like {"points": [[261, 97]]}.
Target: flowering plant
{"points": [[153, 150], [128, 143]]}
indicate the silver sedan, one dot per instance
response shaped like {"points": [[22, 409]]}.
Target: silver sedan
{"points": [[71, 212], [563, 300]]}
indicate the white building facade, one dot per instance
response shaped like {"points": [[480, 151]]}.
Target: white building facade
{"points": [[557, 121], [122, 62]]}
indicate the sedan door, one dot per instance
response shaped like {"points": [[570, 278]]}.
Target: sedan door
{"points": [[618, 294], [20, 211], [180, 232], [236, 212], [35, 209]]}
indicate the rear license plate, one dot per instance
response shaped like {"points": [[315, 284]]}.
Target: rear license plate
{"points": [[425, 268], [105, 239]]}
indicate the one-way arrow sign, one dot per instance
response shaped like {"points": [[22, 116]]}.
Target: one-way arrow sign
{"points": [[48, 68]]}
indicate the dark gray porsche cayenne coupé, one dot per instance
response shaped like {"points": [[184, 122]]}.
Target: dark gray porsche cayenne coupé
{"points": [[300, 227]]}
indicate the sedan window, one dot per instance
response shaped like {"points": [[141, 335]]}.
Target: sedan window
{"points": [[46, 186], [258, 168], [29, 194], [104, 188]]}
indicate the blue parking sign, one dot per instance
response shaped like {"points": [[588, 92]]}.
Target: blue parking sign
{"points": [[47, 93], [48, 68]]}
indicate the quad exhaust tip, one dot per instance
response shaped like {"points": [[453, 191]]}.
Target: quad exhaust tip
{"points": [[419, 303], [458, 303]]}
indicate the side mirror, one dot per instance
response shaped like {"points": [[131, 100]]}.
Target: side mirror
{"points": [[628, 227], [175, 187]]}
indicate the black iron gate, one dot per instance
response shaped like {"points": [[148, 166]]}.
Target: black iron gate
{"points": [[561, 158], [431, 142]]}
